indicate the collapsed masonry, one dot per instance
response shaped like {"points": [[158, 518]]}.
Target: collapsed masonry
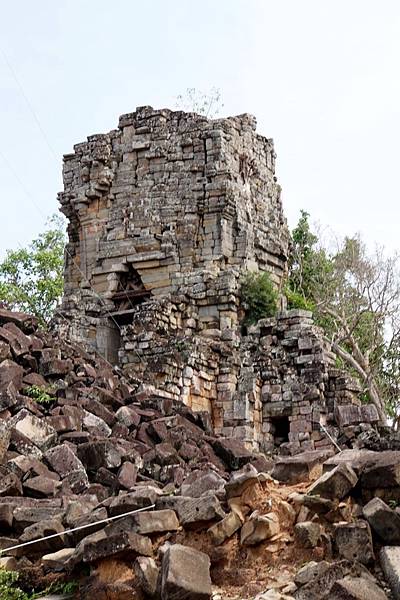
{"points": [[165, 214]]}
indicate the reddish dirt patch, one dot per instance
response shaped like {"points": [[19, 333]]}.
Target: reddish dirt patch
{"points": [[243, 572], [112, 579]]}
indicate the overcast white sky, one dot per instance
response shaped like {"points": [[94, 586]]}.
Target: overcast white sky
{"points": [[321, 76]]}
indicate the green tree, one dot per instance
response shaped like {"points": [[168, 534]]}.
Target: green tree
{"points": [[31, 278], [309, 266], [355, 296]]}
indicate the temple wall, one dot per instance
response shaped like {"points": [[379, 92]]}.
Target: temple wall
{"points": [[166, 213]]}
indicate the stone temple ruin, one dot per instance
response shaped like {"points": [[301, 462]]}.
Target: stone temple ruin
{"points": [[165, 214]]}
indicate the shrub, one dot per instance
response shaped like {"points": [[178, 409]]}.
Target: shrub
{"points": [[259, 296], [8, 591], [40, 395], [297, 300]]}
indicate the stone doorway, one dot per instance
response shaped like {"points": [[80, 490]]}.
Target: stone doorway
{"points": [[128, 295], [280, 430]]}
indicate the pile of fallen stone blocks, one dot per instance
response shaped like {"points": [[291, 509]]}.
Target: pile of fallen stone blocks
{"points": [[348, 515], [79, 446], [94, 469]]}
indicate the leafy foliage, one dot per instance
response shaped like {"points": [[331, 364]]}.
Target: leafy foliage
{"points": [[355, 297], [40, 395], [10, 591], [297, 300], [389, 379], [258, 296], [31, 278], [58, 587], [309, 266]]}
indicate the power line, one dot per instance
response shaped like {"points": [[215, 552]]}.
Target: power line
{"points": [[21, 183], [32, 199], [66, 531], [29, 105], [28, 301]]}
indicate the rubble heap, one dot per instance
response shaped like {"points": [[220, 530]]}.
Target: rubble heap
{"points": [[165, 215], [79, 446], [348, 515]]}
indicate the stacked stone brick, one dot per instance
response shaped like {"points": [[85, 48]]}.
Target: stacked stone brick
{"points": [[165, 215]]}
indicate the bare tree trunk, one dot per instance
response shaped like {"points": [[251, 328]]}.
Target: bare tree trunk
{"points": [[366, 377]]}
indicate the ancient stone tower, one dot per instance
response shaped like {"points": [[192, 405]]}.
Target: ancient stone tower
{"points": [[165, 214]]}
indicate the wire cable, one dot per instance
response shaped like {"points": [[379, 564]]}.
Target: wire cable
{"points": [[29, 105], [66, 531], [108, 313]]}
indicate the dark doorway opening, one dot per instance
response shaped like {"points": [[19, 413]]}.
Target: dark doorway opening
{"points": [[280, 430], [130, 291], [128, 295]]}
